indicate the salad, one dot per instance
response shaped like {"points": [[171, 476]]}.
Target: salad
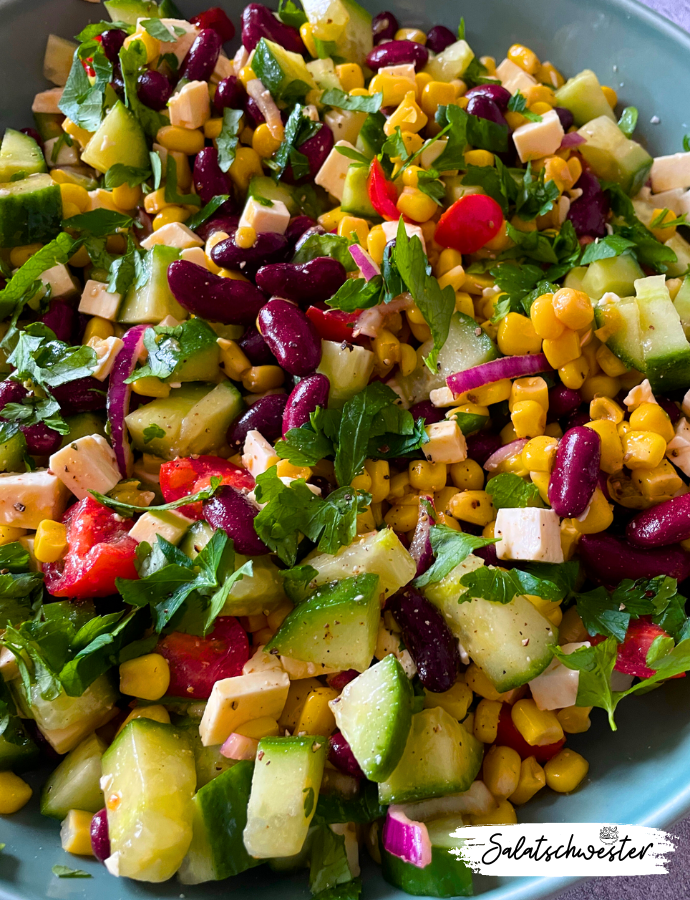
{"points": [[344, 440]]}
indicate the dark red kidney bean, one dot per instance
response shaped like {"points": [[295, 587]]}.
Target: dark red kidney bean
{"points": [[259, 22], [154, 89], [588, 213], [60, 318], [480, 446], [209, 179], [267, 247], [255, 347], [292, 338], [218, 299], [495, 92], [311, 392], [567, 119], [578, 419], [608, 559], [315, 229], [266, 416], [200, 61], [146, 223], [298, 225], [575, 471], [384, 26], [117, 82], [324, 485], [222, 222], [484, 108], [663, 524], [112, 41], [305, 283], [316, 149], [341, 755], [253, 113], [100, 836], [11, 392], [563, 401], [428, 638], [339, 679], [234, 513], [669, 408], [230, 94], [41, 440], [217, 19], [398, 53], [490, 557], [438, 38], [82, 395], [32, 133], [426, 410]]}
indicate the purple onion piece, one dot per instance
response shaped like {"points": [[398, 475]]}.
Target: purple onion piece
{"points": [[119, 394]]}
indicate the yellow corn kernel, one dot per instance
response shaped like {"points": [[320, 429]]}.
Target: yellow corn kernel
{"points": [[659, 226], [599, 515], [488, 394], [554, 430], [168, 215], [539, 453], [408, 116], [398, 485], [286, 469], [247, 136], [126, 197], [408, 359], [456, 701], [435, 94], [454, 278], [184, 140], [98, 327], [410, 177], [362, 482], [605, 408], [611, 95], [508, 434], [260, 728], [467, 475], [350, 75], [479, 682], [156, 712], [80, 259], [661, 482], [150, 386], [146, 677], [547, 73], [501, 769], [376, 243], [427, 476], [473, 506], [151, 44], [245, 237], [415, 204], [574, 373], [573, 308], [401, 518], [528, 418], [246, 164], [602, 385], [330, 219], [479, 158], [296, 696], [524, 57], [562, 350], [548, 608], [643, 449], [50, 542], [544, 318], [574, 719], [541, 479], [611, 445], [81, 135], [623, 428], [556, 169], [307, 34], [75, 833], [386, 348], [448, 259], [366, 522], [532, 779], [213, 128], [315, 716], [379, 473], [116, 243], [609, 362], [529, 388], [263, 141], [410, 34], [476, 283], [464, 304], [501, 241], [589, 350], [246, 74], [442, 499], [393, 89], [565, 771], [516, 336], [19, 255], [258, 379], [254, 623], [489, 64], [651, 417], [155, 201], [486, 720], [537, 726], [9, 534], [353, 225], [69, 209], [233, 360], [75, 194], [504, 814], [14, 793], [572, 630], [515, 120]]}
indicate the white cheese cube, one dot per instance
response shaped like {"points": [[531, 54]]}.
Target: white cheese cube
{"points": [[9, 670], [430, 154], [101, 199], [273, 219], [390, 229], [237, 700], [195, 255], [331, 175], [447, 443], [406, 71], [442, 397], [47, 101], [169, 524], [345, 124], [223, 69], [531, 534], [387, 644], [678, 448], [262, 662], [96, 301], [668, 200], [106, 354], [536, 139], [556, 687], [190, 107], [26, 498], [60, 281], [174, 234], [179, 47], [87, 464], [669, 172], [297, 669], [258, 455], [641, 393], [66, 155], [513, 78]]}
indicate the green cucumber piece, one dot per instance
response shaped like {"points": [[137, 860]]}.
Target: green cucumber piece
{"points": [[464, 348], [118, 139], [75, 784], [614, 157], [49, 125], [23, 754], [282, 72], [441, 757], [336, 626], [355, 194], [20, 156], [30, 211], [130, 10], [574, 278], [206, 425], [626, 342], [665, 347], [450, 63], [83, 424], [583, 96], [617, 274], [682, 304], [209, 762], [167, 413], [12, 454], [494, 633], [356, 42], [371, 136], [149, 768], [220, 816], [154, 301], [263, 187], [201, 366], [261, 591], [348, 369], [681, 248], [374, 712]]}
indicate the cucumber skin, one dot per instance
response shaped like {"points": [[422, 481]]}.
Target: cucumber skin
{"points": [[445, 876], [75, 784], [32, 216], [18, 757]]}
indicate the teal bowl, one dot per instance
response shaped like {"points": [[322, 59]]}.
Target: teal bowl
{"points": [[639, 775]]}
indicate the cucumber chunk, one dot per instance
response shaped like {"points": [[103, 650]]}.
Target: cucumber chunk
{"points": [[626, 341], [356, 41], [374, 712], [336, 626], [48, 125], [617, 274], [464, 348], [583, 96], [17, 756], [450, 63], [614, 157], [83, 424], [348, 369], [154, 301], [441, 757], [681, 248], [20, 156], [266, 188], [220, 816], [355, 195], [262, 590], [130, 10], [665, 347], [282, 72], [118, 139], [285, 788], [30, 211], [12, 454], [209, 762], [75, 784], [682, 304], [149, 780], [204, 428]]}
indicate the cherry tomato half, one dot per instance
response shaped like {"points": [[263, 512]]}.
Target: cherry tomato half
{"points": [[632, 653], [189, 475], [469, 224], [382, 192], [334, 324]]}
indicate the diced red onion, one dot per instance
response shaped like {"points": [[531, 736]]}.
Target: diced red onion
{"points": [[406, 839], [497, 370], [420, 546], [267, 105], [119, 395], [572, 140], [372, 320], [367, 266], [504, 453], [239, 746]]}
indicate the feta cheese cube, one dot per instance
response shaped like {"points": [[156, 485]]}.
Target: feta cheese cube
{"points": [[668, 200], [169, 524], [556, 687], [26, 498], [678, 448], [531, 534], [536, 139], [513, 78], [87, 464], [106, 354], [195, 255], [390, 229], [442, 397], [96, 301], [447, 443], [174, 234], [273, 219], [223, 69], [669, 172], [262, 662], [237, 700], [297, 669], [101, 199], [66, 155], [344, 124], [331, 175], [641, 393], [181, 46], [47, 101], [406, 71], [9, 670], [60, 281], [190, 107], [258, 455]]}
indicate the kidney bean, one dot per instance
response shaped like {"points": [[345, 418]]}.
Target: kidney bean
{"points": [[117, 82], [384, 26], [588, 213], [608, 559], [255, 347], [234, 513], [268, 247], [426, 410], [428, 638], [200, 61], [438, 38], [562, 401], [41, 440], [219, 299], [311, 392], [230, 94], [146, 223], [60, 318], [670, 408], [32, 133], [398, 53], [305, 283], [315, 229], [663, 524], [341, 755], [296, 228], [220, 222], [154, 89], [484, 108], [266, 416], [316, 149], [254, 115], [82, 395], [495, 92], [339, 679], [209, 179], [482, 445], [259, 22], [112, 41], [578, 419], [567, 119], [100, 837], [293, 340], [575, 471], [11, 392], [324, 485], [217, 19]]}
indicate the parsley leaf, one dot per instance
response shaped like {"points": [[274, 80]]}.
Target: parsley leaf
{"points": [[650, 252], [535, 196], [328, 866], [21, 283], [130, 175], [207, 211], [81, 101], [341, 100], [605, 248], [394, 147], [124, 271], [66, 872], [372, 132], [595, 665], [496, 181], [467, 130], [298, 128], [170, 347], [171, 193], [628, 121], [450, 549], [356, 157], [518, 104], [509, 491], [429, 183], [132, 62], [291, 14], [469, 423], [128, 509], [167, 34], [40, 358], [326, 245], [477, 73], [601, 614], [156, 169], [357, 293], [98, 222], [151, 432]]}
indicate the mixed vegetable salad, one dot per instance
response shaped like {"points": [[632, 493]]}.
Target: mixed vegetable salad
{"points": [[344, 440]]}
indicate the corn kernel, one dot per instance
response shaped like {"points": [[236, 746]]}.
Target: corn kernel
{"points": [[548, 608], [516, 336], [565, 771], [386, 348], [410, 34], [473, 506], [541, 480], [573, 308], [456, 701], [532, 779], [528, 418], [661, 482], [19, 255], [263, 141], [126, 197], [393, 89], [398, 485], [610, 94], [448, 259], [562, 350], [572, 630], [156, 712], [376, 243], [260, 728], [651, 417], [508, 434], [315, 716], [603, 385], [488, 394], [246, 164], [258, 379], [524, 57], [540, 453], [416, 205], [9, 534], [501, 769], [76, 194], [467, 475], [184, 140], [408, 359], [427, 476], [611, 445], [14, 793], [486, 720], [285, 469], [350, 75], [75, 833], [408, 116], [379, 473], [233, 360], [245, 237], [574, 719], [401, 518], [610, 363], [247, 74], [213, 128], [529, 388], [352, 225], [598, 516], [442, 499], [168, 215], [277, 616], [537, 726], [155, 201], [643, 449], [69, 209], [146, 677], [150, 386], [477, 680], [504, 814], [547, 73], [543, 317], [435, 94], [605, 408], [50, 542]]}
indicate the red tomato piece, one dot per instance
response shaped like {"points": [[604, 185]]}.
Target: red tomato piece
{"points": [[217, 19], [632, 653], [382, 193], [508, 736], [469, 224], [189, 475], [100, 550], [334, 324], [197, 663]]}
